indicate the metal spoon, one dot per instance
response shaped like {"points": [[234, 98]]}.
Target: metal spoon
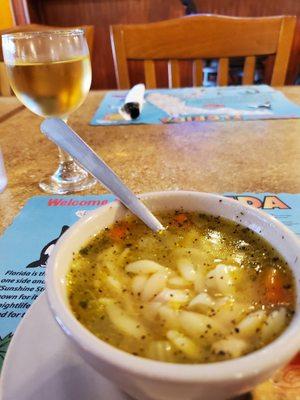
{"points": [[61, 134]]}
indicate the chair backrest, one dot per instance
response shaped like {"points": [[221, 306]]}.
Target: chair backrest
{"points": [[4, 84], [201, 37]]}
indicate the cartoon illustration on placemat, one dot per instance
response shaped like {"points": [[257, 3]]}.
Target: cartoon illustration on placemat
{"points": [[46, 251], [4, 342]]}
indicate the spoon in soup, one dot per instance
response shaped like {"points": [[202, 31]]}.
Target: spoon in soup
{"points": [[61, 134]]}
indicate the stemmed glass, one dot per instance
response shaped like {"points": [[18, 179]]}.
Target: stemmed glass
{"points": [[50, 73]]}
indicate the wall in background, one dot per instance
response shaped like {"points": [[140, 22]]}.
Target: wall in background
{"points": [[101, 14], [6, 17]]}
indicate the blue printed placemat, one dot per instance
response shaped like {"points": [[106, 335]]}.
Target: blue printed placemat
{"points": [[164, 106], [26, 245]]}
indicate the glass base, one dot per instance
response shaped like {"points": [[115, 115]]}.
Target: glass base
{"points": [[68, 178]]}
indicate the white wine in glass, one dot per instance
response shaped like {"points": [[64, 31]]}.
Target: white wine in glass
{"points": [[50, 73]]}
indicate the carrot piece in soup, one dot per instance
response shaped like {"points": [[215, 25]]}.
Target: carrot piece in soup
{"points": [[119, 232], [275, 291], [180, 219]]}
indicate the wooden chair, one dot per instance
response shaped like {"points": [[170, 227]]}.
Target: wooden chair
{"points": [[5, 89], [201, 37]]}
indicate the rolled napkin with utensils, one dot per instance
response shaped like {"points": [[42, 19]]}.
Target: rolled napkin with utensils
{"points": [[133, 104]]}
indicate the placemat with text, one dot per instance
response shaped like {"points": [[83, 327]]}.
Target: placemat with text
{"points": [[200, 104]]}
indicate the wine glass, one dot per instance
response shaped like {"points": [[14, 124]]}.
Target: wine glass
{"points": [[50, 73]]}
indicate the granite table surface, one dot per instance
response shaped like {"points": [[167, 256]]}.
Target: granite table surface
{"points": [[238, 156]]}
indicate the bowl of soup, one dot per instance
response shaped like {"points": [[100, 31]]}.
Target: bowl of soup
{"points": [[206, 309]]}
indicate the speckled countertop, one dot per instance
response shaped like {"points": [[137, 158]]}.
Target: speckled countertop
{"points": [[216, 156]]}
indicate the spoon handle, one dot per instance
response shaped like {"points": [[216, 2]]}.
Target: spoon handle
{"points": [[61, 134]]}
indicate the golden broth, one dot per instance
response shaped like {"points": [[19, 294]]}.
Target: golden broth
{"points": [[204, 290]]}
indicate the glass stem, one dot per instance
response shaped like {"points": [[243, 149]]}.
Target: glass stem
{"points": [[66, 164], [68, 171], [64, 158], [69, 176]]}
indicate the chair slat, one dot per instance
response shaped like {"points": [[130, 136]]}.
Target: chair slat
{"points": [[198, 72], [223, 68], [173, 74], [150, 76], [249, 69], [285, 42]]}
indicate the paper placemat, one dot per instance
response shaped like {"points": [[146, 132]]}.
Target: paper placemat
{"points": [[25, 247], [231, 103]]}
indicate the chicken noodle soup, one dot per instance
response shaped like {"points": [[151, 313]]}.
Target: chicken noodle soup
{"points": [[204, 290]]}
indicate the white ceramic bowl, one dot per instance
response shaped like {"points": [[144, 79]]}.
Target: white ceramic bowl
{"points": [[152, 380]]}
